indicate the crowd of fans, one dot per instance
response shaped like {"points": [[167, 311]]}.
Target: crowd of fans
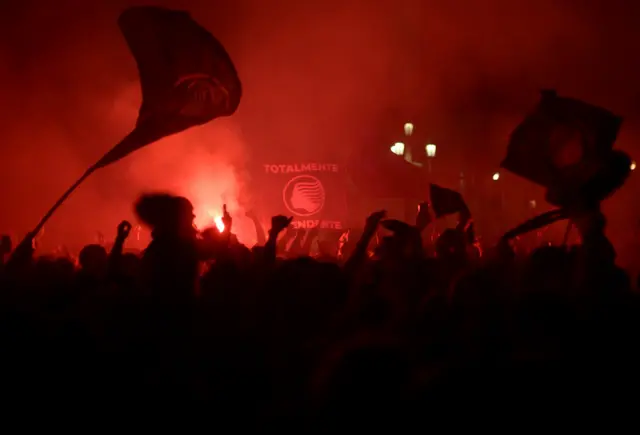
{"points": [[378, 328]]}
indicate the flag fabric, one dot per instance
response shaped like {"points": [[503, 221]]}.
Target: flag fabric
{"points": [[614, 172], [564, 141], [187, 77], [311, 192], [446, 201]]}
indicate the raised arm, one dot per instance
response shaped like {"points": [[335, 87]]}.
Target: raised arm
{"points": [[360, 252], [278, 224], [124, 228]]}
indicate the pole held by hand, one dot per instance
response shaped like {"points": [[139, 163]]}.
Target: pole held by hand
{"points": [[62, 199]]}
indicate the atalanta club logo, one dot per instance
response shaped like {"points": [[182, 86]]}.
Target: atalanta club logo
{"points": [[304, 195], [568, 145], [203, 96]]}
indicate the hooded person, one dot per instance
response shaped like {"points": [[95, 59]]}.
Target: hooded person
{"points": [[170, 264]]}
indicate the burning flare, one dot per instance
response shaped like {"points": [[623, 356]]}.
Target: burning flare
{"points": [[217, 220], [219, 224]]}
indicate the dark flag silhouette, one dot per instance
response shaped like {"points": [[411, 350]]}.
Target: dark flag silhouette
{"points": [[566, 146], [446, 201], [564, 141], [186, 75], [187, 79]]}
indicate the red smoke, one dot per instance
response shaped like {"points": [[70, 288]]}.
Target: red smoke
{"points": [[320, 78]]}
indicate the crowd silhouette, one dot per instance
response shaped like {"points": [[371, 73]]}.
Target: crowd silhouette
{"points": [[379, 328]]}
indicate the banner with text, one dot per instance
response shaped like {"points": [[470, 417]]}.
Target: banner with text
{"points": [[313, 193]]}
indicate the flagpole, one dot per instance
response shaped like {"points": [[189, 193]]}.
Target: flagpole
{"points": [[542, 220], [62, 199], [113, 155]]}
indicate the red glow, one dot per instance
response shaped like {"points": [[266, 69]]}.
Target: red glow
{"points": [[216, 219]]}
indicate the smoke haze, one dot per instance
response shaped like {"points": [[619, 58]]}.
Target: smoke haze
{"points": [[318, 76]]}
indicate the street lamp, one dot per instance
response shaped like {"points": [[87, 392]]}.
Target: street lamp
{"points": [[496, 177], [431, 150], [398, 148], [431, 153], [633, 165], [408, 129]]}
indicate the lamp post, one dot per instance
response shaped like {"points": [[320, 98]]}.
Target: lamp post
{"points": [[495, 177], [431, 154], [398, 148], [408, 129], [406, 150]]}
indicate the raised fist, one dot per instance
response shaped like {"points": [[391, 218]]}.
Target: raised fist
{"points": [[124, 228], [280, 223], [374, 220]]}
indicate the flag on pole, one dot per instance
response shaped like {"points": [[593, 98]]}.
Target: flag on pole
{"points": [[563, 141], [446, 201], [187, 77]]}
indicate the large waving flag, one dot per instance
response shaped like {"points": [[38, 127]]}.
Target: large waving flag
{"points": [[566, 146], [187, 79], [186, 75], [563, 141]]}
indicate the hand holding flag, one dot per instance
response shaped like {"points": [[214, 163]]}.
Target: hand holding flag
{"points": [[446, 201]]}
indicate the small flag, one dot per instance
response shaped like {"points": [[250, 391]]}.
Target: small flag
{"points": [[446, 201], [187, 77]]}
